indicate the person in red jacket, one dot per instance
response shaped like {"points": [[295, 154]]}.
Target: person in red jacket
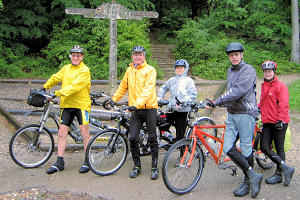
{"points": [[274, 108]]}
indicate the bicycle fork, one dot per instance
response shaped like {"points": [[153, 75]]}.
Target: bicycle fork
{"points": [[194, 143]]}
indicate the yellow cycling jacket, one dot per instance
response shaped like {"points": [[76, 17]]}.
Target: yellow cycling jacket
{"points": [[140, 83], [76, 84]]}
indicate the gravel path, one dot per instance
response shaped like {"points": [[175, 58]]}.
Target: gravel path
{"points": [[18, 183]]}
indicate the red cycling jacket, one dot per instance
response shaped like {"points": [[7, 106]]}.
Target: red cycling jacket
{"points": [[274, 102]]}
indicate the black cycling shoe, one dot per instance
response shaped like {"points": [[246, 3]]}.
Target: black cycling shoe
{"points": [[154, 173], [56, 167], [84, 168], [135, 172]]}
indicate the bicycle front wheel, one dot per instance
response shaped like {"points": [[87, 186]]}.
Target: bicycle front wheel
{"points": [[262, 160], [106, 152], [178, 177], [30, 148]]}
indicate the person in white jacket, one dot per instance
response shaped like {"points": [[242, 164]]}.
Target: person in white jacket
{"points": [[182, 87]]}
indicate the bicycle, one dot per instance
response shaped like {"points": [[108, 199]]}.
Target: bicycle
{"points": [[32, 145], [108, 149], [186, 159], [54, 117]]}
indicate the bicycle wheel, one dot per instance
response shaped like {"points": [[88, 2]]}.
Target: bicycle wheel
{"points": [[180, 178], [27, 150], [262, 160], [104, 159]]}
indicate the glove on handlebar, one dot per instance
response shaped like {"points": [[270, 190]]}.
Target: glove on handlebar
{"points": [[211, 104]]}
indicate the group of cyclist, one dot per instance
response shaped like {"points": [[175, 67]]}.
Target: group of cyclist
{"points": [[140, 80]]}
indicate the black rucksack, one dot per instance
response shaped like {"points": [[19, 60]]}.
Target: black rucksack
{"points": [[36, 98]]}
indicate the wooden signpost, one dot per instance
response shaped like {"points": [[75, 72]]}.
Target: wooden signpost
{"points": [[112, 11]]}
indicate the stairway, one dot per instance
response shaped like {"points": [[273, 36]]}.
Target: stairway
{"points": [[162, 54]]}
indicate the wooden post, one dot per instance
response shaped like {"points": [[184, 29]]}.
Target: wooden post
{"points": [[112, 11]]}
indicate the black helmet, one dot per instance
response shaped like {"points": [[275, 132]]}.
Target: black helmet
{"points": [[234, 47], [77, 49], [138, 49]]}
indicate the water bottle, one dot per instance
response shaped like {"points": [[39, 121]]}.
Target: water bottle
{"points": [[75, 134], [168, 135]]}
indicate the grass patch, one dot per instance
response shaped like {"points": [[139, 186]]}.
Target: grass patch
{"points": [[294, 91]]}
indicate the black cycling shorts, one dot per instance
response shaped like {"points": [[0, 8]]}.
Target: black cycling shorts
{"points": [[67, 115]]}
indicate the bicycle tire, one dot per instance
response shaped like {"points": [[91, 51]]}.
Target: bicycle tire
{"points": [[204, 121], [101, 159], [262, 160], [23, 152], [173, 172]]}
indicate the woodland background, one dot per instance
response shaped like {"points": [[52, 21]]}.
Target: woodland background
{"points": [[36, 35]]}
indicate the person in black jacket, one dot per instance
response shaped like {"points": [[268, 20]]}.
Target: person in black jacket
{"points": [[240, 100]]}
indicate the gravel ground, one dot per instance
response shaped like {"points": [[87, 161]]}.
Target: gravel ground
{"points": [[22, 90]]}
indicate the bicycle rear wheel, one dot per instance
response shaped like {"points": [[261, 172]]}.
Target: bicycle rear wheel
{"points": [[262, 160], [29, 149], [180, 178], [104, 159]]}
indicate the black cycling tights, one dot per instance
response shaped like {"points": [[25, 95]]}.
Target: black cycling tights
{"points": [[268, 135]]}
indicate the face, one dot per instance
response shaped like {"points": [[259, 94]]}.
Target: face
{"points": [[76, 58], [269, 74], [235, 57], [179, 69], [138, 58]]}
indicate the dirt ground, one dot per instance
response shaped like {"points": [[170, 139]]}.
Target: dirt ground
{"points": [[19, 183]]}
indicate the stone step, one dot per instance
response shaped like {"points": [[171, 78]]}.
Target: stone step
{"points": [[162, 54]]}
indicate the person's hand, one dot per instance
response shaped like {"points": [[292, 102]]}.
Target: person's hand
{"points": [[108, 104], [50, 96], [279, 125], [132, 108], [210, 104]]}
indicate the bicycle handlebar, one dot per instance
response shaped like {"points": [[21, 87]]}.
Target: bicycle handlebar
{"points": [[193, 105]]}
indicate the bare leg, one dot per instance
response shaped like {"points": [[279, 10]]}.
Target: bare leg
{"points": [[62, 139], [85, 134]]}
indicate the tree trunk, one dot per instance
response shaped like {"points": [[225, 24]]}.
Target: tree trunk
{"points": [[295, 32]]}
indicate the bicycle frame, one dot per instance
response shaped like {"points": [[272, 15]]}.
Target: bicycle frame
{"points": [[198, 133]]}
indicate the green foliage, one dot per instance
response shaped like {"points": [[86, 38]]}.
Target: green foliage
{"points": [[261, 26], [32, 22], [294, 92]]}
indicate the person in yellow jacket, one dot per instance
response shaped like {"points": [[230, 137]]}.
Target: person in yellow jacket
{"points": [[139, 80], [74, 102]]}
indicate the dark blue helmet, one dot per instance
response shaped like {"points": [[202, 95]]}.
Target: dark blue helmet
{"points": [[234, 47], [138, 49], [180, 62]]}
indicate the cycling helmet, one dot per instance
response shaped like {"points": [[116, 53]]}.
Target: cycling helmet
{"points": [[77, 49], [234, 47], [269, 64], [138, 49], [180, 62]]}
